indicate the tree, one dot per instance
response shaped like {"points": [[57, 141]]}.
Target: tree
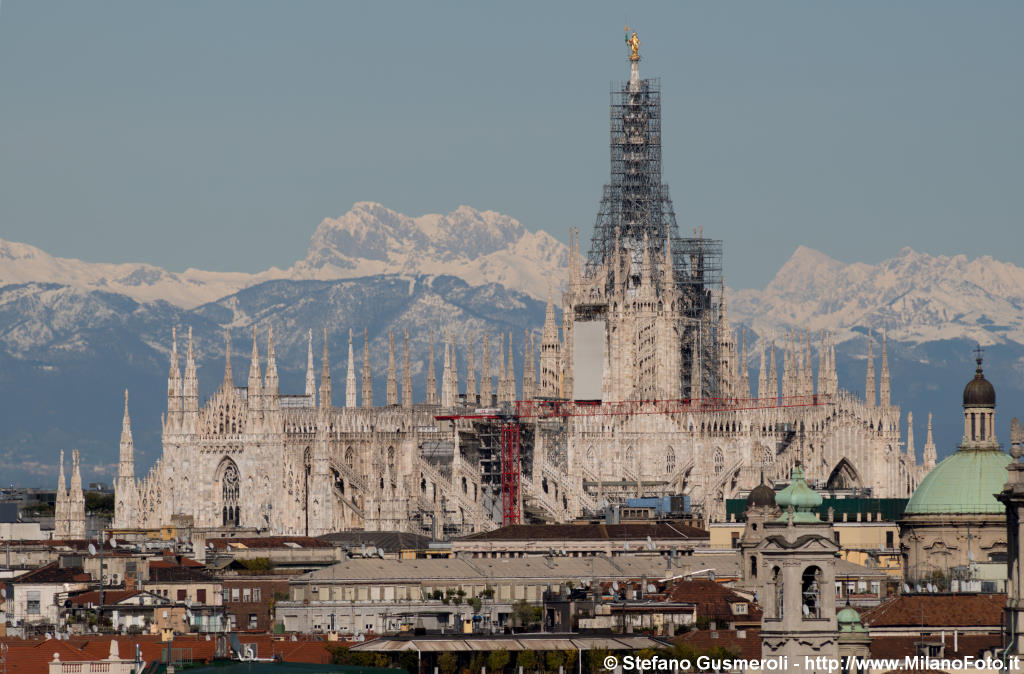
{"points": [[554, 660], [447, 663], [498, 660], [525, 614], [527, 660]]}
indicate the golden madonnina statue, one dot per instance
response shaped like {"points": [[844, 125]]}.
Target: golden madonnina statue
{"points": [[634, 45]]}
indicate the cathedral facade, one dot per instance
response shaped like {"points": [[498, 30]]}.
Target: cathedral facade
{"points": [[660, 390]]}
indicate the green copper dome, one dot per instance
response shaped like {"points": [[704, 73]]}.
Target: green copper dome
{"points": [[803, 499], [963, 483], [849, 620]]}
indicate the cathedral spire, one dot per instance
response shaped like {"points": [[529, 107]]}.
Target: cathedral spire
{"points": [[406, 374], [124, 484], [325, 377], [446, 367], [470, 373], [310, 377], [762, 375], [929, 447], [76, 500], [127, 452], [883, 382], [190, 385], [911, 450], [773, 376], [744, 390], [528, 375], [431, 376], [174, 387], [511, 393], [392, 390], [550, 352], [254, 394], [61, 484], [271, 385], [367, 399], [869, 379], [350, 375], [229, 379], [486, 383]]}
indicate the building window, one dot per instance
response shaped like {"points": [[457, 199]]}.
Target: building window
{"points": [[234, 594], [255, 594], [810, 594], [182, 595], [876, 588], [253, 621], [201, 596], [889, 540], [225, 595], [246, 595], [779, 592], [32, 603]]}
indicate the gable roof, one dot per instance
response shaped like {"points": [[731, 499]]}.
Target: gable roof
{"points": [[53, 573], [937, 610], [714, 600]]}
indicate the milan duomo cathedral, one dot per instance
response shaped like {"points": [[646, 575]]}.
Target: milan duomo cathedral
{"points": [[656, 386]]}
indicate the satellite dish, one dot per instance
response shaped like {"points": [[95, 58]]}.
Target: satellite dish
{"points": [[615, 586], [564, 553], [906, 588], [113, 543], [380, 552], [49, 636], [711, 576], [3, 593], [650, 588], [92, 551], [625, 546]]}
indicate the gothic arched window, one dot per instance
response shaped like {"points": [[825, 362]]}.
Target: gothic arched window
{"points": [[719, 460], [229, 494], [670, 460], [767, 456]]}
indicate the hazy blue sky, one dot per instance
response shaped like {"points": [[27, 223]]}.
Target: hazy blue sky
{"points": [[218, 134]]}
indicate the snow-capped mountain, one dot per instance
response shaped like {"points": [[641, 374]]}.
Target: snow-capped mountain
{"points": [[478, 246], [917, 297]]}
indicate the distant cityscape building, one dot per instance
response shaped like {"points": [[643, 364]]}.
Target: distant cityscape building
{"points": [[645, 336]]}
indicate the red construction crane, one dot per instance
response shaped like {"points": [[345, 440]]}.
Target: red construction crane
{"points": [[546, 408]]}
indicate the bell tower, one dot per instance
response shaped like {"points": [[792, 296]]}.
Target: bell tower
{"points": [[798, 571]]}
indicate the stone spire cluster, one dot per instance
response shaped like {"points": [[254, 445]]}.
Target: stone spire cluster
{"points": [[69, 509]]}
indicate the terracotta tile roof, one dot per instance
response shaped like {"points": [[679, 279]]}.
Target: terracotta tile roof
{"points": [[562, 532], [748, 645], [937, 610], [886, 646], [178, 574], [53, 573], [33, 656], [714, 600]]}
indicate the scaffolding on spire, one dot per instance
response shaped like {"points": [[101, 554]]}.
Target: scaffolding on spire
{"points": [[636, 216]]}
